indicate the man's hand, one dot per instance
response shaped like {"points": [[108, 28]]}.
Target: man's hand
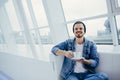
{"points": [[83, 60], [68, 54], [80, 60]]}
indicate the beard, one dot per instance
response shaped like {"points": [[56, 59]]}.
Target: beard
{"points": [[79, 36]]}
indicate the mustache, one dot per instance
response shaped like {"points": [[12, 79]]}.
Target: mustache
{"points": [[78, 32]]}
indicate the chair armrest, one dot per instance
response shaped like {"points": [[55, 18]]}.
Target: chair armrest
{"points": [[57, 64]]}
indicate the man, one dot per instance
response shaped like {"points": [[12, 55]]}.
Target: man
{"points": [[82, 68]]}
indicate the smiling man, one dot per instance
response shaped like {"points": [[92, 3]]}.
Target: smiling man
{"points": [[82, 68]]}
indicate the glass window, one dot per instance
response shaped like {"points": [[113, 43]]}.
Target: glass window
{"points": [[12, 16], [3, 46], [119, 3], [19, 37], [39, 12], [118, 26], [27, 13], [24, 50], [77, 9], [115, 5], [97, 30], [2, 40], [70, 31], [45, 36], [96, 27], [22, 45]]}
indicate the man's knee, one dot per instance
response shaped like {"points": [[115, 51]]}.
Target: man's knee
{"points": [[103, 76], [71, 77], [97, 76]]}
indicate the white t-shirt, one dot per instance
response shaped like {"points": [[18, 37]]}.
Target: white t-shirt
{"points": [[78, 65]]}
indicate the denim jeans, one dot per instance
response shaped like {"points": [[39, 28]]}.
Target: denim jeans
{"points": [[87, 76]]}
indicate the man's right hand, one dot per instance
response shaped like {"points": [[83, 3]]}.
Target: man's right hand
{"points": [[68, 54]]}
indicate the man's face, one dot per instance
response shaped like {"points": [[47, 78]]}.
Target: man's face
{"points": [[79, 30]]}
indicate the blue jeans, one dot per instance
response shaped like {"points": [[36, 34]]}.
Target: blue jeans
{"points": [[87, 76]]}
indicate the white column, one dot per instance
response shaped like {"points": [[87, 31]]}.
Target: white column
{"points": [[7, 31], [56, 20], [112, 20], [23, 21], [58, 28], [30, 8]]}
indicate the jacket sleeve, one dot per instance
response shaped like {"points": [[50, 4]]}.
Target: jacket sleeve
{"points": [[94, 56], [60, 46]]}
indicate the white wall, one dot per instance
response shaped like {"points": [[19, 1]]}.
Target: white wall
{"points": [[109, 63], [21, 68]]}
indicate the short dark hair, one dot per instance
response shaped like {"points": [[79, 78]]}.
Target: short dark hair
{"points": [[79, 22]]}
